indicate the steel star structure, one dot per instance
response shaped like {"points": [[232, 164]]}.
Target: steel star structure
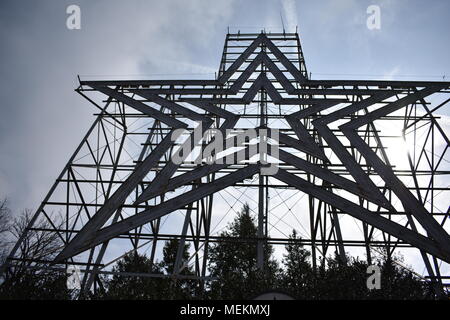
{"points": [[343, 180]]}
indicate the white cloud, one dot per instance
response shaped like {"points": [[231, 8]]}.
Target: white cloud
{"points": [[43, 123], [290, 14], [390, 75]]}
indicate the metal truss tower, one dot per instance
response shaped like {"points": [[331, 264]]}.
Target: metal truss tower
{"points": [[363, 167]]}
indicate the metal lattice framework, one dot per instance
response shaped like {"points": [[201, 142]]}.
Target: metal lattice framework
{"points": [[343, 181]]}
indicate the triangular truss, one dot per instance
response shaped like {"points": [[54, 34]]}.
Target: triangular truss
{"points": [[330, 148]]}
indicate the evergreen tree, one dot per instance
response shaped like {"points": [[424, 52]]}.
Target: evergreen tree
{"points": [[135, 288], [29, 285], [151, 288], [348, 280], [178, 288], [341, 279], [298, 275], [234, 262], [399, 283]]}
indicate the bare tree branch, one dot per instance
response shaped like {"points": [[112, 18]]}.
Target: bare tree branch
{"points": [[5, 227]]}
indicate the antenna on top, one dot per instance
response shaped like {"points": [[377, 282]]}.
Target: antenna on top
{"points": [[282, 22]]}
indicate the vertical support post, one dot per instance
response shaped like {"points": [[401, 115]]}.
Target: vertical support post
{"points": [[262, 219], [182, 243], [261, 225]]}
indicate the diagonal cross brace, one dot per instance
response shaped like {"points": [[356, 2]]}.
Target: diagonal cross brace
{"points": [[367, 216], [162, 209], [327, 175], [262, 58], [161, 180], [338, 148], [262, 82], [145, 109], [408, 200], [262, 39], [117, 198]]}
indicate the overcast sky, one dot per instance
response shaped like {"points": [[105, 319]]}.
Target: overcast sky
{"points": [[42, 118]]}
